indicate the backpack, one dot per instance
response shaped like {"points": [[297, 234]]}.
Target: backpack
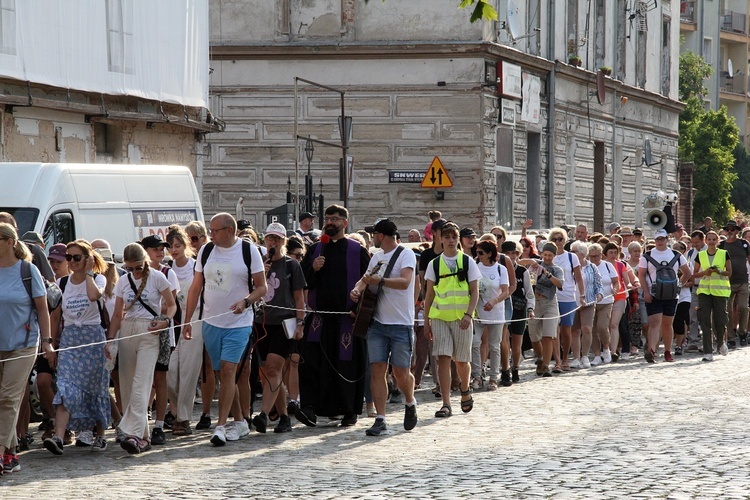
{"points": [[246, 256], [54, 294], [103, 312], [665, 286], [462, 272]]}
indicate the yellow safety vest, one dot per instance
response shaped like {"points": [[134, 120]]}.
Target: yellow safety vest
{"points": [[714, 284], [452, 296]]}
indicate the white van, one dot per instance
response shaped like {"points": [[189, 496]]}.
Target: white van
{"points": [[118, 203]]}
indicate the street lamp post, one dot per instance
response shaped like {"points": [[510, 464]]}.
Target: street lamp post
{"points": [[309, 150]]}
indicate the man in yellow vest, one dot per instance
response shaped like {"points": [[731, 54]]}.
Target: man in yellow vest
{"points": [[714, 268], [452, 294]]}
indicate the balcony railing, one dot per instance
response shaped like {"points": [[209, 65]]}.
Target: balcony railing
{"points": [[732, 84], [687, 11], [734, 22]]}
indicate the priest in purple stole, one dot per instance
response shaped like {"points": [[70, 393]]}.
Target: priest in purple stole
{"points": [[332, 369]]}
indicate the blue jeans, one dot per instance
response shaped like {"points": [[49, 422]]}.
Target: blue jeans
{"points": [[390, 341]]}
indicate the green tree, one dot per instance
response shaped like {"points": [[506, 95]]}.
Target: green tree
{"points": [[708, 139], [482, 9]]}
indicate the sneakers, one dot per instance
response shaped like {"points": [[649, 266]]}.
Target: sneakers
{"points": [[68, 437], [10, 463], [99, 444], [505, 380], [243, 428], [477, 383], [732, 345], [349, 420], [220, 437], [260, 422], [514, 375], [668, 356], [284, 425], [157, 436], [168, 420], [678, 351], [575, 364], [597, 361], [378, 427], [54, 445], [625, 356], [410, 417], [708, 357], [585, 363], [204, 422], [691, 348], [85, 438], [606, 356], [723, 349], [231, 431], [307, 416], [743, 339], [291, 407]]}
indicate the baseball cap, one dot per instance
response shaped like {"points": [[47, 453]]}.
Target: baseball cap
{"points": [[305, 215], [32, 237], [57, 252], [613, 226], [679, 227], [438, 224], [243, 224], [106, 254], [732, 224], [625, 231], [510, 246], [466, 232], [637, 232], [154, 241], [276, 229], [660, 233], [383, 226]]}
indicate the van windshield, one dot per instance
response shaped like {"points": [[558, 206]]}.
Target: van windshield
{"points": [[25, 217]]}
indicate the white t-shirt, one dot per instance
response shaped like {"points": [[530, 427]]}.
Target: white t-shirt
{"points": [[608, 273], [569, 293], [659, 256], [185, 276], [489, 288], [395, 306], [155, 284], [452, 264], [77, 309], [226, 281]]}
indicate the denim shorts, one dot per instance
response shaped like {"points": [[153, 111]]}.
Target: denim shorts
{"points": [[394, 341], [565, 308], [225, 344]]}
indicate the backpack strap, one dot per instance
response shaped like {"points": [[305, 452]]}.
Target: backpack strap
{"points": [[207, 248], [436, 267], [63, 283], [570, 259], [138, 296], [26, 279], [247, 256]]}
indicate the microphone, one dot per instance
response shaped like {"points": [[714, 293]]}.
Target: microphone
{"points": [[271, 253], [324, 240]]}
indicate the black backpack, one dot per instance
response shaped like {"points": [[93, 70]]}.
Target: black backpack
{"points": [[462, 272], [665, 286]]}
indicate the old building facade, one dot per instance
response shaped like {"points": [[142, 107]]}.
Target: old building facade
{"points": [[121, 85], [503, 105]]}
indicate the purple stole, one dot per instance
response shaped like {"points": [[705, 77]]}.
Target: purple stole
{"points": [[346, 322]]}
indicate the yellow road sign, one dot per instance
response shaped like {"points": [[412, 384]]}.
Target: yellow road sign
{"points": [[436, 176]]}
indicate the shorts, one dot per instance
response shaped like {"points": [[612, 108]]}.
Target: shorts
{"points": [[272, 340], [508, 309], [584, 317], [545, 322], [449, 340], [225, 344], [665, 307], [517, 325], [42, 365], [565, 308], [390, 344]]}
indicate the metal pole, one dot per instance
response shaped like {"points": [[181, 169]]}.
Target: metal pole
{"points": [[296, 158]]}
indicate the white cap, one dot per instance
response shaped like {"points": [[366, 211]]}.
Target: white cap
{"points": [[276, 229], [660, 233]]}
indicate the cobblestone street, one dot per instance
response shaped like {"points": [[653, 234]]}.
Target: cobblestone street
{"points": [[673, 430]]}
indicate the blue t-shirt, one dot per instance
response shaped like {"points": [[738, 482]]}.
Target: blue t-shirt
{"points": [[16, 306]]}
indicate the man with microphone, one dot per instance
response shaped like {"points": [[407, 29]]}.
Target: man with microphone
{"points": [[332, 381]]}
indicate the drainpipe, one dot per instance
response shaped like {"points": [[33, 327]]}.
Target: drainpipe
{"points": [[551, 115]]}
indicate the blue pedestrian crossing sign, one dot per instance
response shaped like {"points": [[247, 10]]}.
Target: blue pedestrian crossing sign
{"points": [[436, 176]]}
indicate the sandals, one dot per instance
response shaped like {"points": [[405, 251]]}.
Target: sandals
{"points": [[179, 428], [468, 405], [557, 369], [436, 392], [444, 412], [539, 367]]}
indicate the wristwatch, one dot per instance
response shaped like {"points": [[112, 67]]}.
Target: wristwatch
{"points": [[90, 273], [248, 304], [49, 340]]}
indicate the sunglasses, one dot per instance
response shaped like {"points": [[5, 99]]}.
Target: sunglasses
{"points": [[75, 258], [131, 269], [195, 238], [557, 239]]}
